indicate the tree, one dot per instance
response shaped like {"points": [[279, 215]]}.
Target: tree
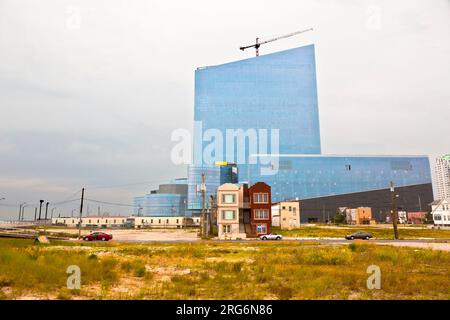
{"points": [[339, 218]]}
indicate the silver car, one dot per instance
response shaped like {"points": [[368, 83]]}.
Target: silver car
{"points": [[271, 236]]}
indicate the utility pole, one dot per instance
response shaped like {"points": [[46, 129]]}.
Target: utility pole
{"points": [[394, 213], [35, 213], [210, 215], [202, 217], [81, 212]]}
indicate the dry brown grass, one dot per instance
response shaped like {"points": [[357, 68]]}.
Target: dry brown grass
{"points": [[217, 270]]}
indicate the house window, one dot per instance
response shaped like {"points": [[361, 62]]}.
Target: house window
{"points": [[226, 228], [151, 221], [229, 198], [294, 210], [142, 220], [260, 198], [261, 214], [284, 208], [437, 217], [159, 221], [290, 208], [106, 221], [177, 220], [261, 228], [228, 214], [167, 220]]}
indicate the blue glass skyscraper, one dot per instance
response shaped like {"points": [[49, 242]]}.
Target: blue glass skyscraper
{"points": [[273, 99]]}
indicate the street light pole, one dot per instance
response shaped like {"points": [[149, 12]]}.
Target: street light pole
{"points": [[51, 215], [40, 208], [46, 209], [23, 210], [20, 209]]}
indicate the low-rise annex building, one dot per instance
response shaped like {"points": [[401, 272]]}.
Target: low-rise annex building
{"points": [[128, 222], [163, 222], [286, 215], [91, 222]]}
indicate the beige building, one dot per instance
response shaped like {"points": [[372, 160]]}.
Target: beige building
{"points": [[91, 222], [360, 215], [129, 222], [163, 222], [230, 204], [286, 215]]}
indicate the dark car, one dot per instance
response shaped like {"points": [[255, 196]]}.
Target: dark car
{"points": [[96, 236], [359, 235]]}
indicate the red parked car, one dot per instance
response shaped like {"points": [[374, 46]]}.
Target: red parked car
{"points": [[98, 236]]}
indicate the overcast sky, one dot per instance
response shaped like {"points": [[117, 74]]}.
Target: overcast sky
{"points": [[91, 90]]}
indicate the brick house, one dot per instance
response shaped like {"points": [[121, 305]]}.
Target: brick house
{"points": [[259, 220]]}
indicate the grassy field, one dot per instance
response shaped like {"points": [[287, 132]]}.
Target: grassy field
{"points": [[216, 270], [379, 233]]}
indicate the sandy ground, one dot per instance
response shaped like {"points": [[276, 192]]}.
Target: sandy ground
{"points": [[426, 245], [147, 235]]}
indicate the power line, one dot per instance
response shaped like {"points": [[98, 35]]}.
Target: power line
{"points": [[128, 184]]}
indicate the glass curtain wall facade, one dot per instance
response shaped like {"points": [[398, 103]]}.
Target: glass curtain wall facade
{"points": [[215, 176], [275, 91], [278, 92], [307, 177]]}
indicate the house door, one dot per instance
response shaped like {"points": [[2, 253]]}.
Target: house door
{"points": [[247, 216]]}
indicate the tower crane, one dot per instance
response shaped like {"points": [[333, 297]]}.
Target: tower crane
{"points": [[258, 44]]}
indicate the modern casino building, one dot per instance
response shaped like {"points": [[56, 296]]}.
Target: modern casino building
{"points": [[168, 200], [274, 98]]}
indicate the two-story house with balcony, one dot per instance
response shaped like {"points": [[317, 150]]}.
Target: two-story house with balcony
{"points": [[230, 211]]}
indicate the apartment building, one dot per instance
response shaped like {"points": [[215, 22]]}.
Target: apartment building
{"points": [[443, 176], [286, 215]]}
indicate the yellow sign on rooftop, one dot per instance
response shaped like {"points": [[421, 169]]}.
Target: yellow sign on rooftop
{"points": [[221, 163]]}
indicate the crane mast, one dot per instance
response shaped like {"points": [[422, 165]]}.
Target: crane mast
{"points": [[258, 44]]}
